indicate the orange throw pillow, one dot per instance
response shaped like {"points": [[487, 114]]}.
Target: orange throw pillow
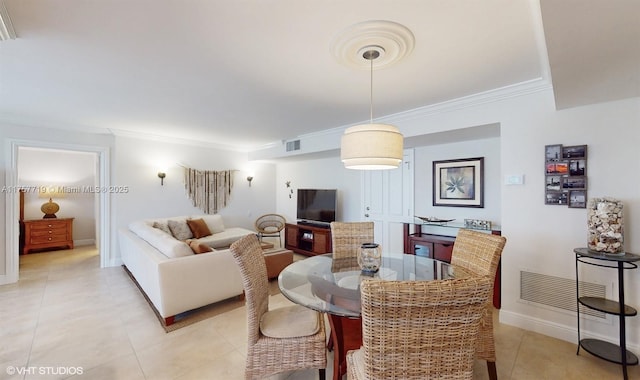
{"points": [[198, 227], [199, 247]]}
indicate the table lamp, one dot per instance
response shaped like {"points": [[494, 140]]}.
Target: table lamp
{"points": [[50, 208]]}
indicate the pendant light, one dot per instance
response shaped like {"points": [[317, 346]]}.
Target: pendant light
{"points": [[371, 146]]}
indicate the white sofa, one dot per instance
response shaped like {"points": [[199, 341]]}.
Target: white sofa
{"points": [[174, 278]]}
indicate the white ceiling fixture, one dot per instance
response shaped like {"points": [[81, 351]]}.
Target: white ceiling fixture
{"points": [[372, 146], [6, 27]]}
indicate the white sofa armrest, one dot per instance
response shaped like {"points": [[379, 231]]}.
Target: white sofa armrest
{"points": [[192, 281]]}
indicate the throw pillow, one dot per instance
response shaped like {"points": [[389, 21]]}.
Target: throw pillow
{"points": [[197, 247], [198, 227], [214, 222], [163, 227], [180, 229]]}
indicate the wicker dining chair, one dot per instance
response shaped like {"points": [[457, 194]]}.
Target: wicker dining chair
{"points": [[270, 225], [346, 239], [283, 339], [480, 253], [417, 330]]}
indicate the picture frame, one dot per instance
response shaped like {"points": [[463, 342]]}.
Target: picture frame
{"points": [[574, 151], [578, 167], [556, 198], [553, 152], [578, 199], [575, 183], [557, 167], [459, 182], [554, 183]]}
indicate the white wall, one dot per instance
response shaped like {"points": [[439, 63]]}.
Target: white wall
{"points": [[321, 173], [541, 238], [423, 172], [63, 169], [137, 163]]}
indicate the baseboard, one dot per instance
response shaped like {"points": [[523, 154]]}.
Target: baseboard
{"points": [[83, 242], [7, 279], [556, 330]]}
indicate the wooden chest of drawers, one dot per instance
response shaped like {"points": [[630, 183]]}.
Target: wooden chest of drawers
{"points": [[48, 233]]}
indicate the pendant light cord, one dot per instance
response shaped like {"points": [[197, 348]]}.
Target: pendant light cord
{"points": [[371, 55], [371, 93]]}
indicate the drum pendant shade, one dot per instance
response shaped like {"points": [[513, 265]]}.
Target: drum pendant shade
{"points": [[371, 147]]}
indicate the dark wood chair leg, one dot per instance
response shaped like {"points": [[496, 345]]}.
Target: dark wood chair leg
{"points": [[322, 373], [491, 367]]}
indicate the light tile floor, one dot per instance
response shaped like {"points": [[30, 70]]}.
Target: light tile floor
{"points": [[66, 313]]}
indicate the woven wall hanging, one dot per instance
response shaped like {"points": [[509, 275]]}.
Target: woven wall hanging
{"points": [[208, 190]]}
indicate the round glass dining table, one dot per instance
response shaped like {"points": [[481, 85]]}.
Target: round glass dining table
{"points": [[333, 287]]}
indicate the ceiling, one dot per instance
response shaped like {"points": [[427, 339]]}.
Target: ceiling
{"points": [[247, 73]]}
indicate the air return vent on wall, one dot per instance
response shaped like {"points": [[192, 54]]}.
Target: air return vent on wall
{"points": [[558, 292], [293, 145]]}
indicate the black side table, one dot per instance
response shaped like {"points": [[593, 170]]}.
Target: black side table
{"points": [[605, 350]]}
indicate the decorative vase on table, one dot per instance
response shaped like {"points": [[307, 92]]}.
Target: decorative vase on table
{"points": [[369, 258], [606, 225]]}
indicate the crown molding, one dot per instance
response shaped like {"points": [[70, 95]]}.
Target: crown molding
{"points": [[487, 97], [6, 27], [491, 96]]}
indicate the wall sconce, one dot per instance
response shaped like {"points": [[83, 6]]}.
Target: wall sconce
{"points": [[161, 175], [250, 178]]}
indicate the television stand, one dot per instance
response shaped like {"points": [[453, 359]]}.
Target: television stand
{"points": [[307, 239], [314, 224]]}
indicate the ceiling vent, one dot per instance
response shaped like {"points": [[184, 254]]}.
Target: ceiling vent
{"points": [[293, 145]]}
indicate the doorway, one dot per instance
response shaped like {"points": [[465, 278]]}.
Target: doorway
{"points": [[58, 186], [102, 206]]}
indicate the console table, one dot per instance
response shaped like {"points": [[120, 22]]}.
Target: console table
{"points": [[434, 241], [47, 233], [605, 350]]}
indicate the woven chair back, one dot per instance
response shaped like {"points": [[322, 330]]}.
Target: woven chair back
{"points": [[422, 329], [346, 239], [253, 269], [478, 252]]}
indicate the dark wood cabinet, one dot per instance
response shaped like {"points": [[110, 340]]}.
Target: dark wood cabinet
{"points": [[307, 240], [47, 233], [440, 247]]}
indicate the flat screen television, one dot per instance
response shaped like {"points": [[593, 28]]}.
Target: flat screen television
{"points": [[317, 206]]}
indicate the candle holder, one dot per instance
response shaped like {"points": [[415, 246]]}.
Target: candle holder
{"points": [[369, 258]]}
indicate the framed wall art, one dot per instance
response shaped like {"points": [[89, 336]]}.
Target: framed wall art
{"points": [[578, 199], [459, 183], [565, 175]]}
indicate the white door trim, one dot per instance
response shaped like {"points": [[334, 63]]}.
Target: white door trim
{"points": [[12, 208]]}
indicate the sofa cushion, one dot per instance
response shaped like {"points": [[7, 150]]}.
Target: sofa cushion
{"points": [[225, 238], [180, 229], [198, 227], [162, 226], [214, 222], [163, 242]]}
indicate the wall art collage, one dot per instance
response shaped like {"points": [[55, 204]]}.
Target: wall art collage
{"points": [[566, 175]]}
